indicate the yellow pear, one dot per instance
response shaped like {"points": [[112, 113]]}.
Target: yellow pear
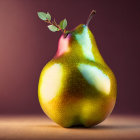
{"points": [[77, 87]]}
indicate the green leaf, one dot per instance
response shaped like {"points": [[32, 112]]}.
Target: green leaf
{"points": [[63, 24], [53, 28], [48, 16], [44, 16]]}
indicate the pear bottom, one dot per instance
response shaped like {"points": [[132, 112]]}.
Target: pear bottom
{"points": [[72, 97], [77, 111]]}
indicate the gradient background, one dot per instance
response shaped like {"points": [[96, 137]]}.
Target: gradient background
{"points": [[26, 45]]}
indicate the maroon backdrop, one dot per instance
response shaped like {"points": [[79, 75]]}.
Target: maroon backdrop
{"points": [[26, 45]]}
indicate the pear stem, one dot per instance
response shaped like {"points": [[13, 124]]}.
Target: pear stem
{"points": [[93, 12]]}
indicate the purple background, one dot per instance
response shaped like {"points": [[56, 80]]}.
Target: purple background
{"points": [[26, 45]]}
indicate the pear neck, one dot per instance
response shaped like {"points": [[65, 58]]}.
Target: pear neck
{"points": [[79, 44]]}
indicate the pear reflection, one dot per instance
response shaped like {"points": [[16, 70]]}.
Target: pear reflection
{"points": [[95, 77], [50, 82]]}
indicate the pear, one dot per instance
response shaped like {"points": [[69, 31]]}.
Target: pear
{"points": [[77, 87]]}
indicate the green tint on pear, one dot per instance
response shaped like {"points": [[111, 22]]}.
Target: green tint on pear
{"points": [[77, 87]]}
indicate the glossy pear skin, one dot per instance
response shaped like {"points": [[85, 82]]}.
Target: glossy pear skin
{"points": [[77, 87]]}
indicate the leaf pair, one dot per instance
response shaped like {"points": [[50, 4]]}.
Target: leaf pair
{"points": [[44, 16], [62, 25]]}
